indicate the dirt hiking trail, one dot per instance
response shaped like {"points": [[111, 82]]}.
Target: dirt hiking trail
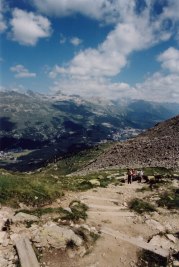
{"points": [[123, 232]]}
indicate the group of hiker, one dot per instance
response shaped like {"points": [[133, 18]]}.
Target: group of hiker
{"points": [[134, 175]]}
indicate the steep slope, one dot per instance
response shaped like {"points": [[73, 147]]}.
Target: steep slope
{"points": [[157, 147]]}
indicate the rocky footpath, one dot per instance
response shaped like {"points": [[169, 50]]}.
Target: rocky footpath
{"points": [[157, 147], [43, 233], [129, 236]]}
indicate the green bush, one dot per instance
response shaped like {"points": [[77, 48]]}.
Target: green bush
{"points": [[78, 210], [104, 182], [169, 199], [85, 185], [141, 206]]}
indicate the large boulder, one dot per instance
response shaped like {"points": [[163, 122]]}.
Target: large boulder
{"points": [[162, 241], [56, 236]]}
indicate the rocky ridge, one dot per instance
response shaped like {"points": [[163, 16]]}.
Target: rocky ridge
{"points": [[157, 147]]}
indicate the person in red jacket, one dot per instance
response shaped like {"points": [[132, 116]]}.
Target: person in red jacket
{"points": [[134, 174]]}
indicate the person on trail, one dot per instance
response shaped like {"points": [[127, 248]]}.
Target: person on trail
{"points": [[140, 176], [129, 176], [134, 174]]}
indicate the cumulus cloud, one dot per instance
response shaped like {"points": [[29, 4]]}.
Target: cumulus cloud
{"points": [[158, 87], [170, 59], [21, 72], [99, 9], [28, 28], [3, 25], [162, 88], [86, 88], [75, 41], [134, 33]]}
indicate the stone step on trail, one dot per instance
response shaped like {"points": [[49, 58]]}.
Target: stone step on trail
{"points": [[99, 198], [136, 242], [112, 213], [26, 253], [104, 208]]}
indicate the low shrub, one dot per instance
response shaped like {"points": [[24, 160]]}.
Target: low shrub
{"points": [[140, 206], [78, 210], [169, 199]]}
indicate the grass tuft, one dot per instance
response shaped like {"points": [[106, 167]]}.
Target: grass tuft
{"points": [[79, 210], [140, 206], [169, 199]]}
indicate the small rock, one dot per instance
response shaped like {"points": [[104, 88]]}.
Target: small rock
{"points": [[171, 238], [125, 204], [24, 217], [85, 226], [95, 182], [67, 209], [71, 253], [81, 251], [161, 241], [58, 201]]}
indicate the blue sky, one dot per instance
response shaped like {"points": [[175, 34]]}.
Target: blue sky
{"points": [[104, 48]]}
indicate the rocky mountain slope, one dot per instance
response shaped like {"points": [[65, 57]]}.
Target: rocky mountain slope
{"points": [[31, 120], [157, 147]]}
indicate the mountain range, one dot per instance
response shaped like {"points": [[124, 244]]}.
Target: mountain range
{"points": [[33, 121]]}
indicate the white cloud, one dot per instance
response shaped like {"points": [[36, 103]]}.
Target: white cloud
{"points": [[170, 59], [90, 72], [111, 56], [3, 25], [94, 87], [75, 41], [27, 27], [21, 72], [160, 87], [99, 9], [133, 32]]}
